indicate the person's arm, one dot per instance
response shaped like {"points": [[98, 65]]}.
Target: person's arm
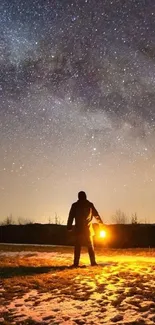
{"points": [[70, 218], [96, 214]]}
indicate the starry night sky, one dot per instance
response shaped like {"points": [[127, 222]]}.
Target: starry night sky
{"points": [[77, 107]]}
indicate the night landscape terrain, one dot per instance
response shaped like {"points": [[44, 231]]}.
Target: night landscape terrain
{"points": [[77, 112], [38, 287]]}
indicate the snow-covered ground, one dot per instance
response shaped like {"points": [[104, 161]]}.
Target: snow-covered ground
{"points": [[121, 290]]}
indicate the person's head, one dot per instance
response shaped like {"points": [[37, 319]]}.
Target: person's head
{"points": [[82, 195]]}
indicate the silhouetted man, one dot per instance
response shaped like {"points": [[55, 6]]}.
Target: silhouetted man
{"points": [[83, 212]]}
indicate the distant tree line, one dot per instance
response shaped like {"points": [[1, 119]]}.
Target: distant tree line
{"points": [[10, 220], [119, 218], [118, 235]]}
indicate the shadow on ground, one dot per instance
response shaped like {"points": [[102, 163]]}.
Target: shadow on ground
{"points": [[8, 272], [11, 271]]}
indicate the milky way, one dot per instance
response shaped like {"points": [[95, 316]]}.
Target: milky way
{"points": [[77, 107]]}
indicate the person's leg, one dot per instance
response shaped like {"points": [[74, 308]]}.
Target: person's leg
{"points": [[91, 251], [77, 251]]}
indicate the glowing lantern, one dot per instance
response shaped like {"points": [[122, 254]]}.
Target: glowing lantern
{"points": [[102, 233]]}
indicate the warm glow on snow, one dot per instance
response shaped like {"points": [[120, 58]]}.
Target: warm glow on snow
{"points": [[121, 289]]}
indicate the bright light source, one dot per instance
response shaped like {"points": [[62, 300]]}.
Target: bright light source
{"points": [[102, 233]]}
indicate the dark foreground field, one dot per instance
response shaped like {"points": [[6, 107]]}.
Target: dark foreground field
{"points": [[37, 287]]}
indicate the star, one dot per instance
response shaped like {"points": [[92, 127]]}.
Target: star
{"points": [[77, 106]]}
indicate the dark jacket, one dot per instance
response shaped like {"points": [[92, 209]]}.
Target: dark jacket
{"points": [[83, 212]]}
